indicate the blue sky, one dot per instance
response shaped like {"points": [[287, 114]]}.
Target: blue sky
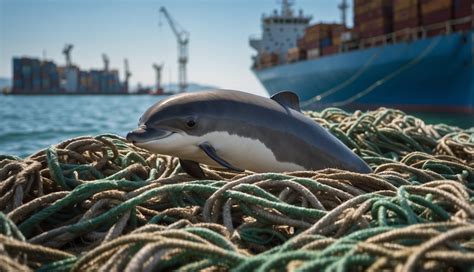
{"points": [[219, 50]]}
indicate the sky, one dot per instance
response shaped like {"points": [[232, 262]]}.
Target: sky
{"points": [[219, 53]]}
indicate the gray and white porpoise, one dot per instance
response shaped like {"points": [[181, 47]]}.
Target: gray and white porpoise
{"points": [[241, 131]]}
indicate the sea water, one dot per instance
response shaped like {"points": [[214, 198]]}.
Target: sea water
{"points": [[31, 123]]}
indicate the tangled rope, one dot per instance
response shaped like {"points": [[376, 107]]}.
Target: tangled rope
{"points": [[100, 204]]}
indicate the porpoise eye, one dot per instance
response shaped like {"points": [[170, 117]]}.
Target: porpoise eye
{"points": [[190, 123]]}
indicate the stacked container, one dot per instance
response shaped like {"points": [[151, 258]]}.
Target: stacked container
{"points": [[95, 81], [462, 9], [321, 39], [315, 36], [36, 75], [268, 59], [295, 54], [336, 41], [50, 71], [103, 82], [45, 76], [17, 76], [336, 34], [436, 12], [84, 81], [115, 83], [406, 14], [373, 17], [26, 74]]}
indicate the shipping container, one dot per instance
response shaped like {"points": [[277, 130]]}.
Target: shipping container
{"points": [[376, 27], [406, 18], [313, 53], [315, 34], [462, 9], [330, 50], [17, 85], [17, 76], [349, 36], [295, 54], [26, 74], [431, 6], [336, 33], [325, 42], [434, 12], [373, 17], [269, 58]]}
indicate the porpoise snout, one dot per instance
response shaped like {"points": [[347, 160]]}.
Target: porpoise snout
{"points": [[137, 135], [146, 134]]}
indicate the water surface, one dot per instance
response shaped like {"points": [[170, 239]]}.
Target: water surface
{"points": [[30, 123]]}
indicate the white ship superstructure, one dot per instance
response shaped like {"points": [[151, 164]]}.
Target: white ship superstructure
{"points": [[280, 31]]}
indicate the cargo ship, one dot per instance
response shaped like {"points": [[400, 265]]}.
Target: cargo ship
{"points": [[415, 55]]}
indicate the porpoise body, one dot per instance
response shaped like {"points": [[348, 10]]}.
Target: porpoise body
{"points": [[241, 131]]}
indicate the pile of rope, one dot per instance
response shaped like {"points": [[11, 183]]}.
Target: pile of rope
{"points": [[100, 204]]}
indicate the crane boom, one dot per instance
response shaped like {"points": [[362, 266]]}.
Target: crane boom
{"points": [[67, 53], [182, 37]]}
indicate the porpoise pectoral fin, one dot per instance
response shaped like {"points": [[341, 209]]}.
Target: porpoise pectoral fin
{"points": [[211, 152], [192, 168], [287, 99]]}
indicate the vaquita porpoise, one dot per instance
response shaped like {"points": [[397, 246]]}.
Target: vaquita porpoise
{"points": [[241, 131]]}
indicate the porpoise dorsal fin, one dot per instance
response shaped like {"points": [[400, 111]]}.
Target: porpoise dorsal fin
{"points": [[211, 152], [287, 99], [192, 168]]}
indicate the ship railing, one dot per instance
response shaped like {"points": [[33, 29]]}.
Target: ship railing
{"points": [[407, 34]]}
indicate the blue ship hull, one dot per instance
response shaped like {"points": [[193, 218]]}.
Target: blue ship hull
{"points": [[432, 74]]}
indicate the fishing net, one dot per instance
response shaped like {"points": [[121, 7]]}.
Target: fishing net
{"points": [[102, 204]]}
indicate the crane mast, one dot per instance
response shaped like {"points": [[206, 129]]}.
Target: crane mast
{"points": [[67, 53], [158, 69], [106, 60], [128, 74], [343, 6], [182, 37]]}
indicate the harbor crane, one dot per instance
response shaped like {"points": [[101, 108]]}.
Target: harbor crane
{"points": [[182, 37], [158, 69], [106, 60], [67, 53], [343, 6], [127, 75]]}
